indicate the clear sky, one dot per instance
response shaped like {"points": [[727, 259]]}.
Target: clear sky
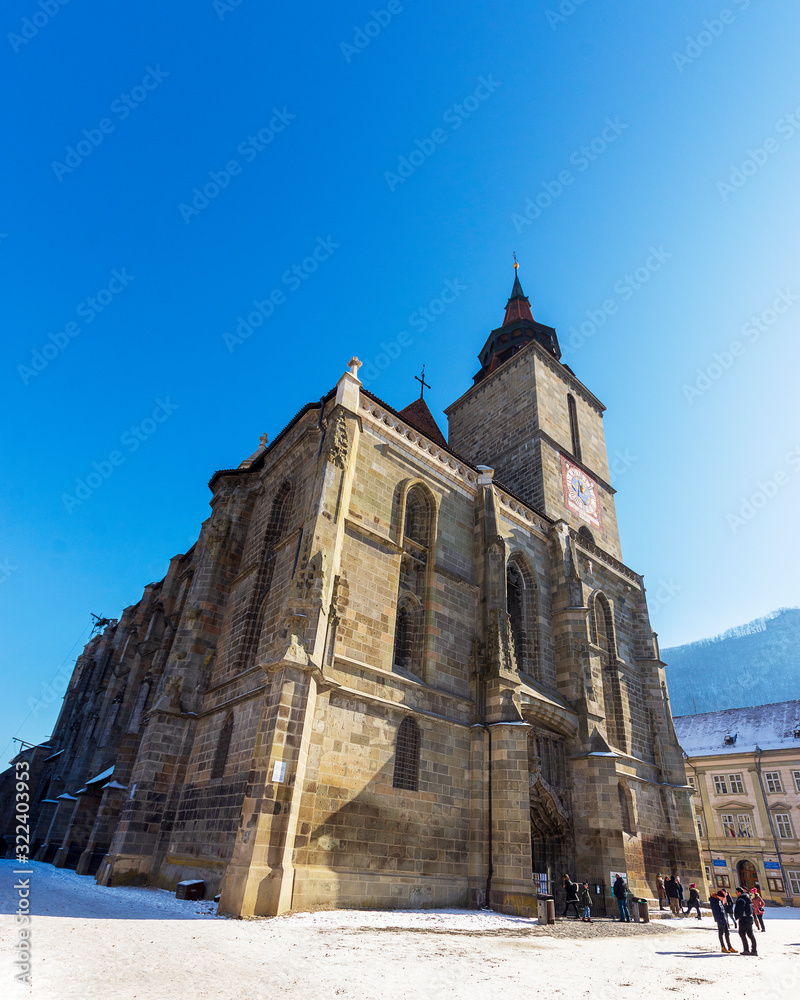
{"points": [[168, 165]]}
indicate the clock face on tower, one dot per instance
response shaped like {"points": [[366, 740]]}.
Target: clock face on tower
{"points": [[581, 493]]}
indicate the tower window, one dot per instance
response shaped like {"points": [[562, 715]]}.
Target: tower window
{"points": [[573, 427], [406, 756], [223, 746]]}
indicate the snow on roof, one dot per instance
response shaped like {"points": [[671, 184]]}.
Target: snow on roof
{"points": [[740, 730]]}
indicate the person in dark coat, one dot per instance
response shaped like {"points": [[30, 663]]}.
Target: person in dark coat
{"points": [[743, 912], [620, 891], [694, 901], [662, 892], [570, 896], [729, 908], [717, 902], [586, 902], [673, 895]]}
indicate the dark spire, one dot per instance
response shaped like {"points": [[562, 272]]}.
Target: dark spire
{"points": [[518, 306], [518, 330]]}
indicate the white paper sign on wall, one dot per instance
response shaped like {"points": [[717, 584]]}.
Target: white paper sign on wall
{"points": [[278, 771]]}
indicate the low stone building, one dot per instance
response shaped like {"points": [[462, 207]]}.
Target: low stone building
{"points": [[395, 669], [744, 765]]}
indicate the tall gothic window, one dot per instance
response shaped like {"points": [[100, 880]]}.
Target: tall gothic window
{"points": [[409, 634], [523, 615], [626, 808], [574, 430], [222, 748], [406, 756], [602, 634], [277, 528]]}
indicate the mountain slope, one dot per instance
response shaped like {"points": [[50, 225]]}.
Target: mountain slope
{"points": [[753, 664]]}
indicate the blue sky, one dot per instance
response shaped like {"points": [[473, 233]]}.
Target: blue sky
{"points": [[168, 166]]}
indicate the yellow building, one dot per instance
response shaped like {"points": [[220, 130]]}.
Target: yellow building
{"points": [[744, 765]]}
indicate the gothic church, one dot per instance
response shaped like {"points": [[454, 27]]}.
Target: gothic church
{"points": [[395, 670]]}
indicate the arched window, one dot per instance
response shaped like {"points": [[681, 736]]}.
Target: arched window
{"points": [[223, 746], [523, 615], [406, 756], [277, 528], [601, 625], [416, 543], [626, 808], [573, 427], [585, 535]]}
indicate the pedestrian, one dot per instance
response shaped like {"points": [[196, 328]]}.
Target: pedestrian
{"points": [[680, 889], [743, 911], [694, 901], [673, 895], [620, 890], [758, 909], [570, 896], [729, 908], [661, 891], [586, 903], [717, 902]]}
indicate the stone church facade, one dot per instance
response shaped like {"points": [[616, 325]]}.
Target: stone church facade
{"points": [[395, 670]]}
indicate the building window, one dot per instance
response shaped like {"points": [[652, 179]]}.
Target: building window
{"points": [[737, 785], [573, 427], [406, 756], [773, 780], [728, 825], [745, 825], [522, 603], [700, 829], [783, 823], [720, 784], [723, 881], [626, 808], [416, 541], [692, 783], [601, 628], [708, 873], [796, 777], [794, 880], [775, 884], [223, 745]]}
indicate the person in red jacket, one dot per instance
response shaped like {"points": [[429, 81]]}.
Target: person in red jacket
{"points": [[758, 909]]}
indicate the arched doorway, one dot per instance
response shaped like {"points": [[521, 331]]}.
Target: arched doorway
{"points": [[748, 876]]}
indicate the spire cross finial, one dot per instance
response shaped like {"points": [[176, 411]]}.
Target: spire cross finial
{"points": [[423, 385]]}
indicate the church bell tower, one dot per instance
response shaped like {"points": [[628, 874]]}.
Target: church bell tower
{"points": [[529, 418]]}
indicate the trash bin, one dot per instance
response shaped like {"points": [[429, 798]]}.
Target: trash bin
{"points": [[546, 909], [191, 889], [643, 909]]}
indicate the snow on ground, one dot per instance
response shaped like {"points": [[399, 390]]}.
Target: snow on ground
{"points": [[94, 943]]}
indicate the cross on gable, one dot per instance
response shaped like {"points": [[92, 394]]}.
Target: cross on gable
{"points": [[423, 385]]}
